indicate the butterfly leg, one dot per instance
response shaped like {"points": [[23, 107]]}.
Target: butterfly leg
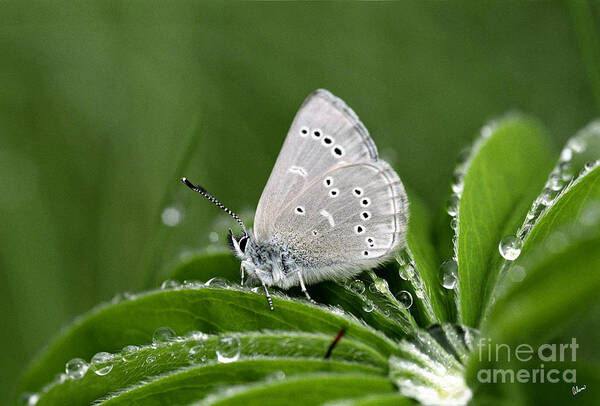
{"points": [[242, 275], [303, 287], [269, 300]]}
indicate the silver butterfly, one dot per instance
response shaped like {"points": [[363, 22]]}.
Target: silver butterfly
{"points": [[331, 207]]}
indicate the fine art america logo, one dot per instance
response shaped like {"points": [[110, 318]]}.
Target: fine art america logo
{"points": [[525, 353]]}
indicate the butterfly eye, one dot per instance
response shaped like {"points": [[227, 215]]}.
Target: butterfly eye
{"points": [[242, 243]]}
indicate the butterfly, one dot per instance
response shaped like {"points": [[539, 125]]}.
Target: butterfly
{"points": [[331, 208]]}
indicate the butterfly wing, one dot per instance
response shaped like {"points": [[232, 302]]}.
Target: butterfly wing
{"points": [[350, 218], [325, 133]]}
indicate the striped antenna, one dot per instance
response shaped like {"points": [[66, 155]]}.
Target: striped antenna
{"points": [[217, 203]]}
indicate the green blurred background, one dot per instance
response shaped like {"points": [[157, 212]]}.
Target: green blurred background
{"points": [[105, 104]]}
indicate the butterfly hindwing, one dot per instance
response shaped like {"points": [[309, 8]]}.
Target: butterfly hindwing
{"points": [[350, 218], [325, 133]]}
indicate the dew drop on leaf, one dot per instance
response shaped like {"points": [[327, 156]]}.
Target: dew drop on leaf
{"points": [[163, 335], [129, 353], [357, 286], [228, 349], [368, 306], [217, 283], [196, 354], [453, 203], [449, 274], [169, 284], [510, 247], [29, 399], [405, 299], [379, 285], [407, 272], [102, 363], [76, 368]]}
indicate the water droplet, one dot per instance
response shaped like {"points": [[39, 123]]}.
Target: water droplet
{"points": [[169, 284], [196, 353], [566, 154], [213, 237], [420, 293], [457, 183], [102, 363], [163, 335], [578, 145], [566, 171], [407, 272], [228, 349], [357, 286], [555, 182], [129, 296], [379, 285], [403, 258], [129, 353], [546, 197], [454, 223], [487, 131], [29, 399], [517, 273], [405, 299], [368, 306], [453, 204], [171, 216], [76, 368], [449, 274], [510, 247], [217, 283]]}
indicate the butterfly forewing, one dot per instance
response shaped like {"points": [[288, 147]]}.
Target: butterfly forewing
{"points": [[324, 134]]}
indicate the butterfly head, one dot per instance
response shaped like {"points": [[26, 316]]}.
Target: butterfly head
{"points": [[239, 244]]}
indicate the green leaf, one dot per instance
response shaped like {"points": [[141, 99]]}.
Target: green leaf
{"points": [[113, 326], [194, 352], [579, 202], [504, 173], [555, 303], [188, 385], [391, 399], [310, 389], [422, 250]]}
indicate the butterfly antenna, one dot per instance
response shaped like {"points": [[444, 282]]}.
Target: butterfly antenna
{"points": [[217, 203]]}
